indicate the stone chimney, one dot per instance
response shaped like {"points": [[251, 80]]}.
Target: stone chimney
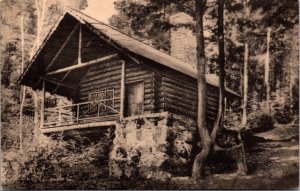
{"points": [[182, 39]]}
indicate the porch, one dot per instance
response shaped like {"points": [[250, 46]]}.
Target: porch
{"points": [[80, 115]]}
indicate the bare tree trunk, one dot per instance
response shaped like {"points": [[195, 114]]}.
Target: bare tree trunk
{"points": [[23, 89], [206, 142], [36, 115], [219, 121], [245, 86], [21, 120], [236, 152], [267, 70], [40, 19]]}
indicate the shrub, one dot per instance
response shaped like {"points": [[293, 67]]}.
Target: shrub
{"points": [[55, 164], [232, 121], [283, 116], [260, 122]]}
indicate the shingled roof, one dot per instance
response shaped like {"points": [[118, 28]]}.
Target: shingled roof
{"points": [[125, 42]]}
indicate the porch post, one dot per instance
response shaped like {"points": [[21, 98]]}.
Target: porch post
{"points": [[80, 44], [43, 104], [122, 97]]}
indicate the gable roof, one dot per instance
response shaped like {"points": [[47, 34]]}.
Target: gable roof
{"points": [[133, 45]]}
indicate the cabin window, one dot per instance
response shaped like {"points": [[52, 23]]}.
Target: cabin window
{"points": [[134, 98]]}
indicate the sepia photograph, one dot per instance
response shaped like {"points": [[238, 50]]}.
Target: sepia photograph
{"points": [[149, 94]]}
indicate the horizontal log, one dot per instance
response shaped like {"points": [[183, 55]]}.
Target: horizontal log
{"points": [[182, 105], [213, 95], [101, 76], [212, 103], [138, 74], [211, 91], [149, 102], [105, 66], [210, 118], [109, 79], [179, 93], [90, 63], [179, 99], [114, 63], [97, 75], [186, 85], [147, 91], [134, 69], [178, 110], [149, 96], [211, 113], [145, 79], [179, 89], [149, 107], [214, 109]]}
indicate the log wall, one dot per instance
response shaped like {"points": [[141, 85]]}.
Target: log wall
{"points": [[107, 76], [181, 97]]}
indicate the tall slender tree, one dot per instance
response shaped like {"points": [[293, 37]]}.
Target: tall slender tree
{"points": [[267, 70], [23, 88], [206, 141], [221, 61], [245, 75]]}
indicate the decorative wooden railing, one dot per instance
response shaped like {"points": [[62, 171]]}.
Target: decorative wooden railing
{"points": [[85, 112]]}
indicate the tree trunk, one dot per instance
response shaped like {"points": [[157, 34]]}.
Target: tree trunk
{"points": [[245, 86], [236, 152], [36, 115], [219, 121], [206, 142], [21, 121], [23, 89], [267, 70], [40, 19]]}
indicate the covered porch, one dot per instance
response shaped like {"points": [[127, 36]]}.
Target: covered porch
{"points": [[66, 55]]}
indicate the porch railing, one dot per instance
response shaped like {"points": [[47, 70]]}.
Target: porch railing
{"points": [[85, 112]]}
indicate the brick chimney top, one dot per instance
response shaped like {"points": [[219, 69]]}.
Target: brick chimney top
{"points": [[181, 18], [182, 39]]}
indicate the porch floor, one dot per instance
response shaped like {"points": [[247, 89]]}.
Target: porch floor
{"points": [[77, 126]]}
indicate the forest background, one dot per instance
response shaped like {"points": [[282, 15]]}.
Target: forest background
{"points": [[270, 28]]}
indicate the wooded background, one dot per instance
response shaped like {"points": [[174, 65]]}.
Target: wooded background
{"points": [[261, 41]]}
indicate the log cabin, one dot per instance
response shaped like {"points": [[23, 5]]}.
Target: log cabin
{"points": [[110, 76]]}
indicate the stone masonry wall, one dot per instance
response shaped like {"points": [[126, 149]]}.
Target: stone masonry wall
{"points": [[151, 148]]}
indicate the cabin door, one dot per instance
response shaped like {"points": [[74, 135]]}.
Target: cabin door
{"points": [[134, 99]]}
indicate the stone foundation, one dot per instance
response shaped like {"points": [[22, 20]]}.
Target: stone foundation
{"points": [[152, 147]]}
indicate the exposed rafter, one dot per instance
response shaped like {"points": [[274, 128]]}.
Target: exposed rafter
{"points": [[55, 81], [92, 62], [62, 47], [76, 61], [59, 52]]}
